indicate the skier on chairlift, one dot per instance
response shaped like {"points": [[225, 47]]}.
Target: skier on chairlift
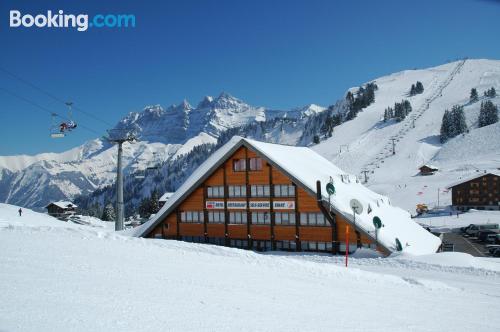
{"points": [[67, 126]]}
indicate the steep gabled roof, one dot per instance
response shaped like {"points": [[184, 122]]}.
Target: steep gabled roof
{"points": [[165, 197], [472, 177], [305, 167]]}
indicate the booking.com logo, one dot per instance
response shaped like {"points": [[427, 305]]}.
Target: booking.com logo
{"points": [[61, 20]]}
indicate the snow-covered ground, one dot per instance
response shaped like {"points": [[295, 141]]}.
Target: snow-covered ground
{"points": [[57, 276]]}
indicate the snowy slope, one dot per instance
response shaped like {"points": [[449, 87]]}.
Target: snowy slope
{"points": [[365, 142], [58, 277]]}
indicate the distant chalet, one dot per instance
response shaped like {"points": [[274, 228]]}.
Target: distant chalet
{"points": [[480, 192], [263, 196], [428, 170], [61, 209]]}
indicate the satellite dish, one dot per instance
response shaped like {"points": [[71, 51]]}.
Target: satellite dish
{"points": [[330, 188], [399, 247], [356, 206], [377, 222]]}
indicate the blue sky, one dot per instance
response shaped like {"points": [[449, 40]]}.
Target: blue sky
{"points": [[278, 54]]}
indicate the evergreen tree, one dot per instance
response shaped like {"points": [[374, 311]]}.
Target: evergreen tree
{"points": [[458, 120], [144, 208], [473, 95], [445, 127], [316, 139], [491, 93], [413, 90], [108, 214], [154, 201], [419, 87], [488, 114]]}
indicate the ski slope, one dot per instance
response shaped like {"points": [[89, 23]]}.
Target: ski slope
{"points": [[365, 143], [56, 276]]}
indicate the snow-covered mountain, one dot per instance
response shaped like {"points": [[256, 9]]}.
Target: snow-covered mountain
{"points": [[365, 143], [164, 134]]}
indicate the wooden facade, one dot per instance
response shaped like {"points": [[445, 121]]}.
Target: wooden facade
{"points": [[248, 203], [480, 193]]}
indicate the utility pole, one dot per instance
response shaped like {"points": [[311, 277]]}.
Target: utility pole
{"points": [[393, 145], [120, 139], [365, 171]]}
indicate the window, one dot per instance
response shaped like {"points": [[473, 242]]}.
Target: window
{"points": [[192, 216], [260, 190], [216, 217], [261, 218], [239, 165], [313, 219], [237, 217], [283, 218], [239, 243], [255, 164], [286, 245], [316, 246], [284, 190], [217, 191], [237, 191], [261, 245], [193, 239], [220, 241]]}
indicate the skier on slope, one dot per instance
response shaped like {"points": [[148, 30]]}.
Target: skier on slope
{"points": [[20, 211]]}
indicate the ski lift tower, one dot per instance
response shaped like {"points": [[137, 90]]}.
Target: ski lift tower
{"points": [[120, 136]]}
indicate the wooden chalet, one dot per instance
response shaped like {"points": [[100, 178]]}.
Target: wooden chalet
{"points": [[264, 196], [61, 209], [480, 192], [427, 170]]}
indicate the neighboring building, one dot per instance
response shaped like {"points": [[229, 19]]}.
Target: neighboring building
{"points": [[480, 192], [61, 209], [163, 199], [427, 170], [263, 196]]}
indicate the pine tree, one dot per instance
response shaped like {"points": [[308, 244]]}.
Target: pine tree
{"points": [[316, 139], [488, 114], [419, 88], [154, 204], [445, 127], [473, 95], [491, 93], [108, 214], [458, 120], [413, 90]]}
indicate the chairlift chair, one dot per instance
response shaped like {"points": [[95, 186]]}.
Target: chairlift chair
{"points": [[55, 132]]}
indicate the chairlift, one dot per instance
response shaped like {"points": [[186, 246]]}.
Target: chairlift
{"points": [[55, 131], [59, 130]]}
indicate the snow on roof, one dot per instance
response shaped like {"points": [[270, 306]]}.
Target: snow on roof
{"points": [[165, 197], [62, 204], [472, 177], [306, 167]]}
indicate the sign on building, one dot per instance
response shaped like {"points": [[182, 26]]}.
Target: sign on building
{"points": [[283, 205], [210, 205], [236, 205], [260, 205]]}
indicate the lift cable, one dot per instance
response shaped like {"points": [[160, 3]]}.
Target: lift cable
{"points": [[52, 113], [48, 94]]}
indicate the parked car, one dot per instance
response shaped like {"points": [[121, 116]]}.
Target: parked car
{"points": [[496, 252], [464, 229], [492, 249], [474, 229], [484, 235]]}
